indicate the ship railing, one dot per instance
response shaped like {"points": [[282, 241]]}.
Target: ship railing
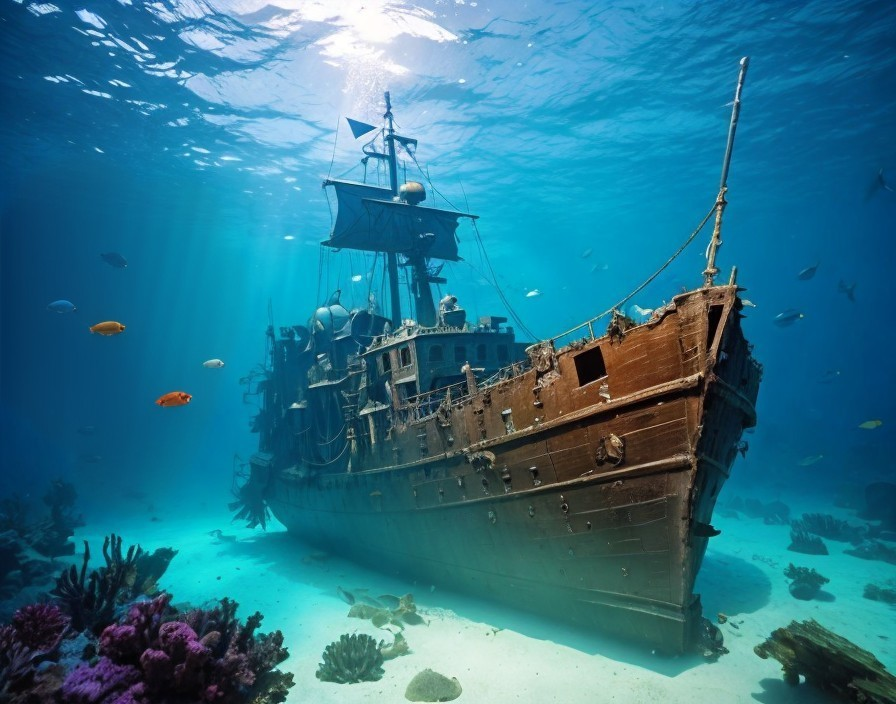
{"points": [[428, 403], [583, 331]]}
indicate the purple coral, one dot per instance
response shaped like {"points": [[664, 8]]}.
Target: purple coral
{"points": [[40, 626], [104, 682]]}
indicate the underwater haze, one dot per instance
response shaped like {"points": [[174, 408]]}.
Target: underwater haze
{"points": [[191, 139]]}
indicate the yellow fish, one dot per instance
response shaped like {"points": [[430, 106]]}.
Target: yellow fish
{"points": [[110, 327], [871, 424]]}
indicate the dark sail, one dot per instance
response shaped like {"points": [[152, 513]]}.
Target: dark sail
{"points": [[368, 219]]}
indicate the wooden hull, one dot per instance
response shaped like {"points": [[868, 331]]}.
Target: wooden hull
{"points": [[581, 487]]}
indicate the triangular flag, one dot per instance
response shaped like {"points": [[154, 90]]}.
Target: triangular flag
{"points": [[359, 129]]}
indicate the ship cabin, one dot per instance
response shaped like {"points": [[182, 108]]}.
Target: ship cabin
{"points": [[416, 366]]}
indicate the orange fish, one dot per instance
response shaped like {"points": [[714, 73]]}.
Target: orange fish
{"points": [[174, 398], [110, 327]]}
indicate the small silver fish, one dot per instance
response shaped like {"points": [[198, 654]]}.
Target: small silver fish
{"points": [[748, 303], [808, 272], [213, 364], [788, 317], [810, 460]]}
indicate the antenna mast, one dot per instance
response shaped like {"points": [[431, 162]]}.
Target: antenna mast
{"points": [[391, 257], [710, 272]]}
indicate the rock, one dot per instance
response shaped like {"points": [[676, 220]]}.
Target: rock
{"points": [[430, 686]]}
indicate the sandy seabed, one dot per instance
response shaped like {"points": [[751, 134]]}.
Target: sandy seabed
{"points": [[500, 655]]}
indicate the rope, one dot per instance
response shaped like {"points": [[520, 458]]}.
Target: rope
{"points": [[650, 278]]}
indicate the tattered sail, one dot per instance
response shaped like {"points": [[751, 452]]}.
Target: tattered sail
{"points": [[368, 219]]}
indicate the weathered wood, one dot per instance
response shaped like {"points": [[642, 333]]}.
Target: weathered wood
{"points": [[830, 662], [572, 496]]}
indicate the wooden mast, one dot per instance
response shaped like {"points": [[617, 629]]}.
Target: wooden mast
{"points": [[392, 257], [711, 270]]}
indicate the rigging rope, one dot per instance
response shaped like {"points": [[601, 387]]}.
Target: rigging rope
{"points": [[649, 279]]}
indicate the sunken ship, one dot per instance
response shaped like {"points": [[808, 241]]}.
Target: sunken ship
{"points": [[574, 477]]}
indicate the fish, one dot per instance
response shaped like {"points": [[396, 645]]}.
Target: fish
{"points": [[533, 293], [213, 364], [810, 460], [848, 289], [807, 273], [587, 253], [878, 184], [747, 303], [871, 424], [174, 398], [114, 259], [829, 376], [788, 317], [357, 277], [62, 306], [110, 327]]}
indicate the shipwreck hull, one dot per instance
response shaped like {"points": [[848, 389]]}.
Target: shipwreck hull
{"points": [[581, 487]]}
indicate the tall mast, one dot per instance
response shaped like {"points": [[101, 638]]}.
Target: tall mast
{"points": [[391, 257], [426, 312], [710, 272]]}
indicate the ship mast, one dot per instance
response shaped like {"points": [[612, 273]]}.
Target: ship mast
{"points": [[426, 310], [711, 270], [392, 257]]}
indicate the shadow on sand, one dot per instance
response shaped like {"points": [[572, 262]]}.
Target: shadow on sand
{"points": [[304, 564]]}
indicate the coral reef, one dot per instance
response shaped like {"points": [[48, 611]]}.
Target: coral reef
{"points": [[827, 526], [32, 638], [805, 582], [876, 593], [353, 658], [25, 547], [91, 600], [829, 662], [51, 537], [430, 686], [806, 543], [155, 654], [873, 550]]}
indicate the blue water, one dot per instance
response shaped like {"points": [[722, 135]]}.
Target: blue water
{"points": [[192, 137]]}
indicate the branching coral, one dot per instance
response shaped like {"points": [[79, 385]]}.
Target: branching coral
{"points": [[829, 527], [352, 658], [804, 542], [91, 600]]}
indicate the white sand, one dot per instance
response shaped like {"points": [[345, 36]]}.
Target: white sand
{"points": [[499, 655]]}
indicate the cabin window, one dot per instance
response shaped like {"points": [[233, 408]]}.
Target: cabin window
{"points": [[715, 317], [590, 366], [481, 353], [503, 353], [387, 362], [436, 354], [460, 354], [404, 356]]}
